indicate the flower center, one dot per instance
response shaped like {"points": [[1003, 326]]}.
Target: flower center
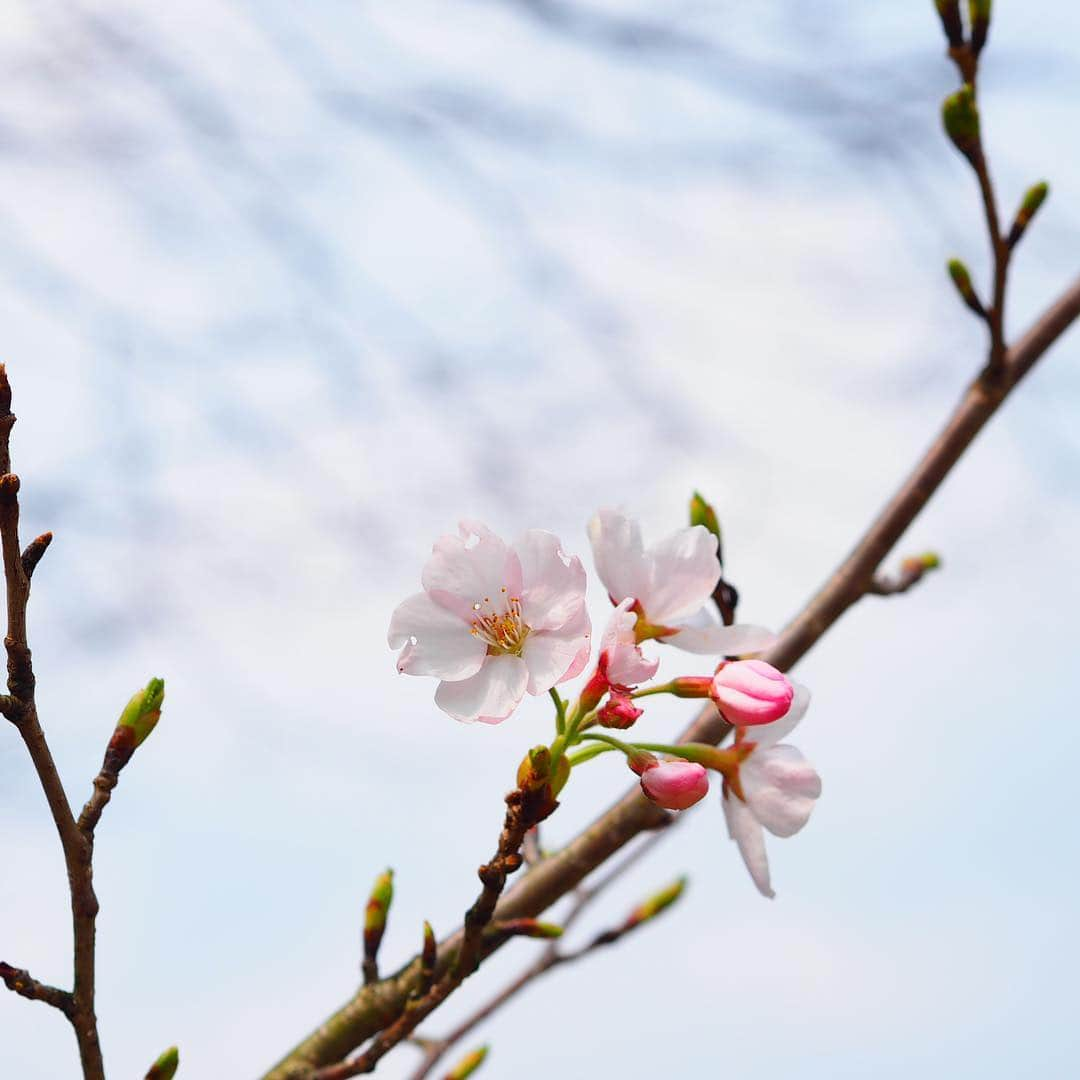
{"points": [[504, 631]]}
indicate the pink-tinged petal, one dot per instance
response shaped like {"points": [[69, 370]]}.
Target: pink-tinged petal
{"points": [[781, 787], [553, 656], [745, 830], [552, 583], [684, 571], [700, 633], [751, 692], [627, 667], [619, 554], [436, 642], [491, 695], [475, 567], [766, 735], [623, 662], [675, 785]]}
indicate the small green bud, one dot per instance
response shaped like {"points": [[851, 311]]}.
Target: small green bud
{"points": [[962, 280], [960, 115], [165, 1067], [949, 13], [702, 513], [376, 911], [930, 560], [529, 928], [468, 1064], [429, 956], [1033, 198], [655, 904], [143, 711], [979, 14]]}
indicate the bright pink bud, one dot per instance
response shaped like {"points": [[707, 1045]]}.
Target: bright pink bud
{"points": [[618, 711], [675, 785], [751, 692]]}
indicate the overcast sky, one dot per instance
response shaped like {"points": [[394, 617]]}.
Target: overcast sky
{"points": [[284, 293]]}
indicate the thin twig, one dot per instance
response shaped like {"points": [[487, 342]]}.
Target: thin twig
{"points": [[551, 957], [22, 711], [21, 982]]}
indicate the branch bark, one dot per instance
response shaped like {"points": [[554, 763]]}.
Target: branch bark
{"points": [[21, 709], [366, 1012]]}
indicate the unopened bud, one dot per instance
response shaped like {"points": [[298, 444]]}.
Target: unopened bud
{"points": [[640, 761], [960, 115], [979, 13], [165, 1067], [962, 280], [527, 928], [143, 711], [1029, 206], [375, 915], [749, 692], [656, 903], [949, 12], [702, 513], [468, 1064], [619, 711], [675, 785]]}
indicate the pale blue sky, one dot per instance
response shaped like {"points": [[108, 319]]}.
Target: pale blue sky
{"points": [[285, 293]]}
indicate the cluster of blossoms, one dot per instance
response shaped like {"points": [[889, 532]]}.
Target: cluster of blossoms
{"points": [[496, 621]]}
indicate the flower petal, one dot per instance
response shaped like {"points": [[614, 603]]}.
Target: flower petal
{"points": [[553, 656], [491, 695], [701, 633], [766, 735], [619, 555], [684, 570], [744, 829], [781, 787], [475, 567], [623, 663], [436, 642], [552, 583]]}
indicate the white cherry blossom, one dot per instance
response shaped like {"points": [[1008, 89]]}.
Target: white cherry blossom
{"points": [[494, 622], [670, 584]]}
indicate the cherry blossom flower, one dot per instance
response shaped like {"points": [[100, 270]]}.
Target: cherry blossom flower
{"points": [[675, 785], [494, 621], [670, 585], [773, 788]]}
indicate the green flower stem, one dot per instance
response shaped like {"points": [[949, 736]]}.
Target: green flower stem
{"points": [[662, 688], [610, 740], [588, 753], [560, 711]]}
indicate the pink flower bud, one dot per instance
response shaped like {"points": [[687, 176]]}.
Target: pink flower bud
{"points": [[751, 692], [675, 785], [618, 711]]}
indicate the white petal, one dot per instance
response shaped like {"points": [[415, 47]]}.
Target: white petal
{"points": [[766, 735], [781, 787], [744, 829], [702, 634], [436, 642], [552, 583], [619, 555], [626, 666], [491, 695], [553, 656], [620, 626], [475, 567], [684, 571]]}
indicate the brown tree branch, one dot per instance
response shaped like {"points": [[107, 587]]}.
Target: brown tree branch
{"points": [[21, 982], [365, 1012], [21, 709], [551, 957]]}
